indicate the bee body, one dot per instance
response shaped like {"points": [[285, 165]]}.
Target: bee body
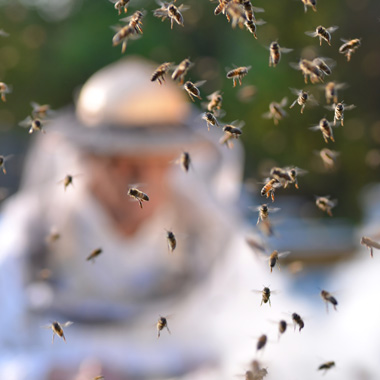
{"points": [[138, 195], [185, 161], [349, 47], [159, 73], [193, 90], [370, 244], [275, 53], [261, 342], [270, 187], [4, 89], [181, 70], [215, 103], [328, 298], [58, 329], [265, 296], [325, 204], [161, 324], [237, 74], [172, 242], [310, 3], [326, 366], [95, 253], [121, 4], [298, 321]]}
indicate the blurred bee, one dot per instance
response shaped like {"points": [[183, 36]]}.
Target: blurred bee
{"points": [[95, 253], [331, 91], [169, 10], [222, 8], [41, 111], [120, 4], [210, 119], [325, 127], [159, 73], [138, 195], [327, 297], [68, 180], [339, 111], [328, 157], [251, 26], [236, 13], [265, 295], [135, 21], [310, 3], [326, 366], [53, 236], [256, 373], [34, 124], [349, 47], [323, 66], [3, 160], [297, 320], [4, 89], [215, 102], [274, 257], [276, 111], [238, 74], [326, 204], [249, 9], [309, 69], [172, 242], [269, 188], [275, 53], [323, 33], [161, 324], [264, 211], [261, 342], [302, 99], [181, 70], [193, 90], [234, 129], [185, 161], [3, 33], [370, 244], [58, 329], [123, 34], [282, 326]]}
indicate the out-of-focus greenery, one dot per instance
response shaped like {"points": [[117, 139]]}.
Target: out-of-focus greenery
{"points": [[52, 51]]}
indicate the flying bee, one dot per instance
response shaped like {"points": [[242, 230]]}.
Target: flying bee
{"points": [[274, 257], [181, 70], [210, 119], [310, 3], [275, 53], [264, 211], [297, 320], [276, 111], [58, 329], [41, 111], [185, 161], [222, 8], [293, 172], [193, 90], [53, 236], [269, 188], [123, 34], [172, 242], [215, 102], [328, 157], [256, 373], [237, 74], [323, 66], [95, 253], [3, 160], [265, 295], [282, 326], [235, 13], [161, 324], [262, 341], [234, 129], [309, 69], [349, 47], [326, 204], [249, 9], [331, 91], [327, 297], [339, 111], [326, 366], [138, 195], [34, 124], [303, 98], [169, 10], [323, 33], [4, 89], [251, 26], [281, 175], [135, 21], [369, 243], [120, 4], [325, 127], [159, 73], [68, 180]]}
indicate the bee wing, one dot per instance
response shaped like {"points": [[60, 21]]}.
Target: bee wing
{"points": [[273, 209], [257, 291], [311, 33], [350, 107], [341, 86], [332, 29], [3, 33], [284, 102], [26, 122], [259, 22], [284, 254], [46, 326], [293, 104], [183, 7], [258, 10], [294, 65], [285, 50], [345, 41], [66, 324], [331, 107], [300, 171], [314, 128], [295, 91], [267, 115], [200, 83]]}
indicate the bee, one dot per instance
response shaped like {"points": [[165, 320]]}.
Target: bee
{"points": [[303, 98], [161, 324], [120, 4], [265, 295], [138, 195], [309, 69], [249, 9], [326, 129], [210, 119], [322, 65], [53, 236], [95, 253], [222, 8], [275, 53], [282, 326], [251, 26], [261, 342], [41, 111], [169, 10], [264, 211], [4, 89], [234, 129], [369, 243], [276, 111], [123, 34], [58, 329], [159, 73], [274, 257], [331, 91], [135, 22], [172, 242], [215, 102], [339, 111], [181, 70], [328, 157], [310, 3], [3, 160], [326, 366], [68, 180], [256, 372], [185, 161], [293, 172], [193, 90], [323, 33], [326, 204], [269, 188], [34, 124], [327, 297], [236, 13], [349, 47], [238, 74], [297, 320]]}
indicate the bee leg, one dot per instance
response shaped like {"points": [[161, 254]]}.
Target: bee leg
{"points": [[52, 341], [329, 212], [371, 251], [3, 98], [269, 302], [272, 196], [168, 329], [123, 47], [302, 108], [140, 202], [234, 82], [341, 121], [171, 23], [4, 171]]}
